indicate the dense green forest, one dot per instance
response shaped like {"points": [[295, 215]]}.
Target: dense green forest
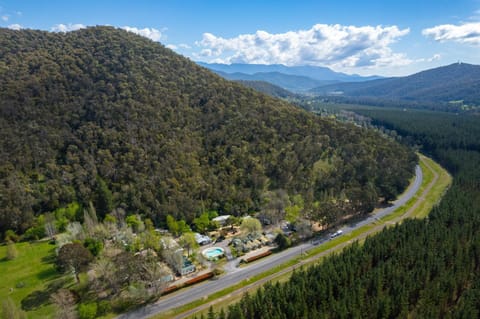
{"points": [[421, 269], [267, 88], [107, 117]]}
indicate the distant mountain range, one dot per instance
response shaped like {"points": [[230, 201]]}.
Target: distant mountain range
{"points": [[455, 83], [295, 79], [294, 83]]}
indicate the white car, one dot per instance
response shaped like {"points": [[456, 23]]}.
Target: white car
{"points": [[336, 234]]}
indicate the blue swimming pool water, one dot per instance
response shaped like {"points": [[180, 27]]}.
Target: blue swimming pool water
{"points": [[213, 252]]}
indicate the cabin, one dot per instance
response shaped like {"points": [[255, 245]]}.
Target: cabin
{"points": [[221, 220], [202, 239], [187, 267]]}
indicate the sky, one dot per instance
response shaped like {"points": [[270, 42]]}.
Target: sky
{"points": [[387, 38]]}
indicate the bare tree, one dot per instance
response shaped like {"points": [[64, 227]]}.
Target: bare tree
{"points": [[90, 219], [251, 226], [11, 311], [64, 300], [304, 228], [12, 252], [155, 274], [174, 257], [50, 228], [188, 242], [273, 208], [103, 276]]}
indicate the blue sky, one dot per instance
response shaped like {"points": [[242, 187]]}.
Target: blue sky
{"points": [[364, 37]]}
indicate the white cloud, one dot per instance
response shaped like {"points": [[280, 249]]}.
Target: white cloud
{"points": [[433, 58], [336, 46], [67, 27], [151, 33], [15, 26], [5, 18], [468, 33], [172, 46]]}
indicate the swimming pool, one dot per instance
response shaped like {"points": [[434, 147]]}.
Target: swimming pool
{"points": [[213, 253]]}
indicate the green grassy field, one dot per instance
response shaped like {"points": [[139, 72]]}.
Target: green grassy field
{"points": [[29, 279]]}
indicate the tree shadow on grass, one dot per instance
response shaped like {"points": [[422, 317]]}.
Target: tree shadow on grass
{"points": [[48, 274], [41, 298], [49, 259]]}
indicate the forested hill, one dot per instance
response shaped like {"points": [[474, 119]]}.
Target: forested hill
{"points": [[267, 88], [105, 116], [447, 84]]}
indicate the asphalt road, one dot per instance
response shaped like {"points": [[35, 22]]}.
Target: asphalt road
{"points": [[235, 275]]}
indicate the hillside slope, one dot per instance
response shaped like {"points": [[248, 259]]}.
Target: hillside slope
{"points": [[267, 88], [294, 83], [458, 81], [105, 116]]}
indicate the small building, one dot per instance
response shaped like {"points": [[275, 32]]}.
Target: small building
{"points": [[221, 220], [188, 267], [202, 239]]}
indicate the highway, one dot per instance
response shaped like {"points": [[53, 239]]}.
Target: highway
{"points": [[235, 274]]}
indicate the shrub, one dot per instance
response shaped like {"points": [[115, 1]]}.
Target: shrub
{"points": [[93, 245], [34, 233], [11, 251], [10, 235], [103, 308], [282, 241], [87, 311]]}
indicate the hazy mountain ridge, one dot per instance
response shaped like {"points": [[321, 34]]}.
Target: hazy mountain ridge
{"points": [[314, 72], [293, 78], [295, 83], [458, 81]]}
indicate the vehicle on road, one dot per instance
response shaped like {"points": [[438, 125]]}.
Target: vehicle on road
{"points": [[336, 234]]}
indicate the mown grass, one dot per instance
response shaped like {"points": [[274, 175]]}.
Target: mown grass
{"points": [[29, 279], [428, 167], [438, 190]]}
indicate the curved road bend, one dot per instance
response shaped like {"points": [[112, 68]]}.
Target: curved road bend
{"points": [[235, 275]]}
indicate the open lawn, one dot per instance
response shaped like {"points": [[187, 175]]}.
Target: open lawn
{"points": [[30, 278]]}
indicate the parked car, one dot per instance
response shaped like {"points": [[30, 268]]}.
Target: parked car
{"points": [[220, 239]]}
